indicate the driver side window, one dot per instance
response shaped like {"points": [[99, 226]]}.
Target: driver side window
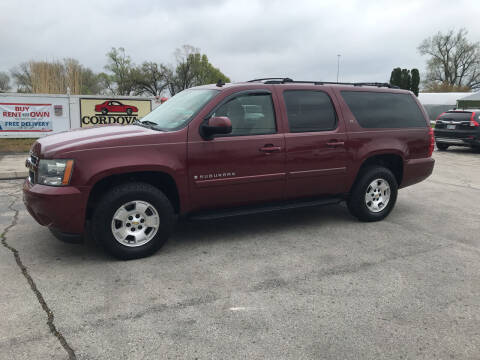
{"points": [[250, 114]]}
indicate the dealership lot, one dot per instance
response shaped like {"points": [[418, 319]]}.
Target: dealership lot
{"points": [[304, 284]]}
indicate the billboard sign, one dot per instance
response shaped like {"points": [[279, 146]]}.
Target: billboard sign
{"points": [[112, 111], [22, 117]]}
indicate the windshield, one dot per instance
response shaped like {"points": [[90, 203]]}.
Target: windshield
{"points": [[176, 112]]}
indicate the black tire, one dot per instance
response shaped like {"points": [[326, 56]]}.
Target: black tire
{"points": [[129, 111], [356, 201], [442, 147], [104, 111], [113, 200]]}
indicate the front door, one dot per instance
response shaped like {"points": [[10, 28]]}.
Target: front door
{"points": [[316, 161], [243, 167]]}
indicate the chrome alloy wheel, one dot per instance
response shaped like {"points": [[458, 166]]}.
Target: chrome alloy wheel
{"points": [[377, 195], [135, 223]]}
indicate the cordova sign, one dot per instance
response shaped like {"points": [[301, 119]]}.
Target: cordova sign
{"points": [[112, 111]]}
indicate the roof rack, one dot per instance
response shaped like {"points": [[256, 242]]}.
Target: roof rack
{"points": [[279, 80]]}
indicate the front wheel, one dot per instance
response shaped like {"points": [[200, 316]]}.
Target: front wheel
{"points": [[374, 194], [133, 220]]}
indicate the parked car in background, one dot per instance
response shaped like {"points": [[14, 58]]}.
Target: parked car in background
{"points": [[231, 149], [111, 106], [458, 127]]}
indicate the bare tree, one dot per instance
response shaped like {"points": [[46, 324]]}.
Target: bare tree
{"points": [[22, 77], [454, 61], [4, 82]]}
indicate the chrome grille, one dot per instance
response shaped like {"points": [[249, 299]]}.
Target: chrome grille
{"points": [[32, 165]]}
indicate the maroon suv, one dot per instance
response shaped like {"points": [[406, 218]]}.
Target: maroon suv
{"points": [[223, 150]]}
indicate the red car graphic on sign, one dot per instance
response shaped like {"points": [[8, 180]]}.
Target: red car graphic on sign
{"points": [[115, 107]]}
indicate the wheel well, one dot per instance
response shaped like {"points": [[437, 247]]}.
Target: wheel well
{"points": [[391, 161], [160, 180]]}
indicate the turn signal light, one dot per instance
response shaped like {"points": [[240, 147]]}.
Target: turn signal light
{"points": [[68, 172]]}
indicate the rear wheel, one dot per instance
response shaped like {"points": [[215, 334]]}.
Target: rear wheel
{"points": [[104, 111], [133, 220], [374, 194], [129, 111], [442, 147]]}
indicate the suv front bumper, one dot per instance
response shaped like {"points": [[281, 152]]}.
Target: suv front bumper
{"points": [[60, 208]]}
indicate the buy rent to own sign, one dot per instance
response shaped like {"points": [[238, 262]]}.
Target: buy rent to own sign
{"points": [[18, 117]]}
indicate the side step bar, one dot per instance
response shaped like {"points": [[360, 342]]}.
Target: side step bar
{"points": [[249, 210]]}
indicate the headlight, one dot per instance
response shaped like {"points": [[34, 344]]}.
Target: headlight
{"points": [[55, 172]]}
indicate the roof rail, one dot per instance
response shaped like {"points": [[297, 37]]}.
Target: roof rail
{"points": [[279, 80], [376, 84], [272, 80]]}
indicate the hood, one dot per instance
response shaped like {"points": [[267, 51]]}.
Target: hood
{"points": [[91, 138]]}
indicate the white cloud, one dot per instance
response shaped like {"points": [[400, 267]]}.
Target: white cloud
{"points": [[245, 39]]}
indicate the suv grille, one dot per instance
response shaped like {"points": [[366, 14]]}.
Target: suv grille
{"points": [[32, 168]]}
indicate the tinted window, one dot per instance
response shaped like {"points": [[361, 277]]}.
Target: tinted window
{"points": [[309, 111], [250, 114], [384, 110], [456, 116]]}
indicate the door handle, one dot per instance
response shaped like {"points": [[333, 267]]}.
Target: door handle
{"points": [[269, 148], [335, 143]]}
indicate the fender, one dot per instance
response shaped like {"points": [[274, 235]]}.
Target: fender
{"points": [[384, 146], [93, 165]]}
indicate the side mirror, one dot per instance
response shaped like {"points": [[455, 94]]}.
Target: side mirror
{"points": [[216, 125]]}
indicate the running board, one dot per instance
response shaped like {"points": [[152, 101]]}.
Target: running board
{"points": [[224, 213]]}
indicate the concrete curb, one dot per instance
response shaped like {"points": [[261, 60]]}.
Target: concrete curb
{"points": [[13, 175]]}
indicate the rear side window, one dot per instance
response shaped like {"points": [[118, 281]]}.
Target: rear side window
{"points": [[384, 110], [309, 111]]}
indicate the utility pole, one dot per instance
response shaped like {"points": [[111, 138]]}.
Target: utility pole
{"points": [[338, 65]]}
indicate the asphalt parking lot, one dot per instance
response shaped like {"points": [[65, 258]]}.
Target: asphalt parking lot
{"points": [[305, 284]]}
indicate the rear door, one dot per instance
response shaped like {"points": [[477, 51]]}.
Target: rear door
{"points": [[244, 167], [315, 144]]}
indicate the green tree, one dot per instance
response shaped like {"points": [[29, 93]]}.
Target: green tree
{"points": [[122, 78], [406, 80], [192, 69], [4, 82], [396, 77], [91, 83], [453, 60], [415, 81], [151, 78]]}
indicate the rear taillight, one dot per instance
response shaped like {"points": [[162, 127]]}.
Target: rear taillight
{"points": [[432, 142], [473, 122], [438, 117]]}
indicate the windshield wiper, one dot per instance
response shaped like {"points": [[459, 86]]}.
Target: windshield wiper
{"points": [[143, 123], [149, 124]]}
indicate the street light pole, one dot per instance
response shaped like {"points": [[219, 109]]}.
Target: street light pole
{"points": [[338, 66]]}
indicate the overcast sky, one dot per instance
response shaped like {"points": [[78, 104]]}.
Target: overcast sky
{"points": [[245, 39]]}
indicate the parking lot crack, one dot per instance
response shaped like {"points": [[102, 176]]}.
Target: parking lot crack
{"points": [[31, 282]]}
